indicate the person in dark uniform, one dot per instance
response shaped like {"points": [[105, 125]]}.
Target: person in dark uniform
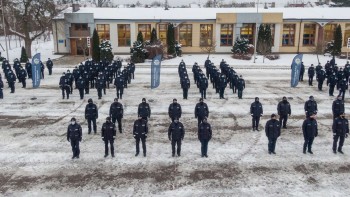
{"points": [[42, 68], [108, 133], [1, 87], [203, 85], [119, 84], [28, 67], [22, 75], [64, 86], [49, 66], [100, 84], [310, 106], [284, 110], [302, 71], [116, 111], [256, 111], [340, 131], [240, 86], [140, 133], [11, 79], [342, 86], [144, 110], [332, 82], [201, 111], [176, 133], [91, 114], [204, 136], [310, 131], [174, 110], [222, 86], [81, 85], [338, 107], [311, 73], [320, 77], [273, 131], [185, 85], [74, 136]]}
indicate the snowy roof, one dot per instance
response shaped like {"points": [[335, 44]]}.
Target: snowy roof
{"points": [[210, 13]]}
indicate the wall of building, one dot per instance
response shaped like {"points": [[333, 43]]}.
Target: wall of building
{"points": [[59, 36]]}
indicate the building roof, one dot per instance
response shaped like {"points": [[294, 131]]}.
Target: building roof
{"points": [[210, 13]]}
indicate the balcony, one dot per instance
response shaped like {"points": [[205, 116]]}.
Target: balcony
{"points": [[79, 33]]}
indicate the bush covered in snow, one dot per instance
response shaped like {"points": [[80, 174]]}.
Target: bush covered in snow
{"points": [[138, 53], [106, 50], [242, 49]]}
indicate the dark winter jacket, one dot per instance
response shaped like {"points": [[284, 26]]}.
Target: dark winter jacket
{"points": [[256, 109], [91, 111], [340, 126], [310, 106], [108, 131], [176, 131], [175, 110], [273, 129], [74, 132], [310, 129], [240, 84], [116, 110], [338, 107], [144, 110], [140, 128], [201, 110], [283, 108], [204, 131]]}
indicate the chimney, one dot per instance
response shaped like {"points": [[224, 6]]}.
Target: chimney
{"points": [[75, 7]]}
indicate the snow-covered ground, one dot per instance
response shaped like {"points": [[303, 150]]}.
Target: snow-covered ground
{"points": [[35, 158]]}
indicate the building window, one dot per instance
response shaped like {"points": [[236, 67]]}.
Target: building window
{"points": [[329, 30], [103, 31], [145, 29], [247, 32], [80, 26], [124, 35], [163, 29], [346, 34], [226, 35], [309, 34], [206, 35], [185, 35], [288, 36]]}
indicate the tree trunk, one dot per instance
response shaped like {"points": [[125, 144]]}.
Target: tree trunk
{"points": [[28, 46]]}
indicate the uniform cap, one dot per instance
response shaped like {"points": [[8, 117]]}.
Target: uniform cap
{"points": [[116, 99], [90, 100], [143, 99], [73, 119], [273, 115]]}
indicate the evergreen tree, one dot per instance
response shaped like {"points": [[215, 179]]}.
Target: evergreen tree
{"points": [[170, 39], [24, 56], [261, 38], [153, 36], [338, 41], [95, 46], [106, 51], [137, 52], [241, 46], [140, 37], [342, 3]]}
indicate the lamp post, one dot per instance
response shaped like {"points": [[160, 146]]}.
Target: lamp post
{"points": [[256, 30], [3, 25]]}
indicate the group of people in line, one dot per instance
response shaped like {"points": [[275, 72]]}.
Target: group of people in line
{"points": [[176, 130], [20, 73], [99, 75]]}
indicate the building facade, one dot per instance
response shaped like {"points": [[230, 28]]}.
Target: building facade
{"points": [[294, 30]]}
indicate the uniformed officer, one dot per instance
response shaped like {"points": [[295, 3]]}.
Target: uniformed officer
{"points": [[140, 133], [201, 111], [22, 76], [119, 84], [185, 85], [64, 85], [222, 86], [256, 111], [176, 133], [284, 110], [116, 111], [74, 136], [108, 133], [81, 85], [310, 131], [311, 73], [204, 136], [273, 131], [302, 70], [91, 114], [240, 86], [320, 77], [342, 86], [49, 65], [144, 110], [340, 131], [310, 106], [331, 81], [174, 110], [100, 84], [338, 107], [11, 79]]}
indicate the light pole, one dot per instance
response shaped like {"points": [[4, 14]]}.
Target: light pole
{"points": [[3, 25], [256, 30]]}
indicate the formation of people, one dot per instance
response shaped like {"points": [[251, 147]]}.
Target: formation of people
{"points": [[335, 76], [99, 75], [21, 73], [176, 130]]}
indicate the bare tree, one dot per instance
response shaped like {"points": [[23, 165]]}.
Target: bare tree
{"points": [[102, 3], [210, 48], [33, 18], [318, 49]]}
